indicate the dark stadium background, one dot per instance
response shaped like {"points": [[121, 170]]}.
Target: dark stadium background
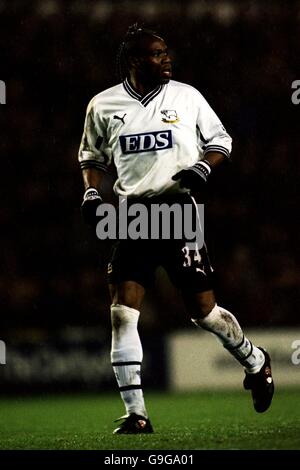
{"points": [[56, 55]]}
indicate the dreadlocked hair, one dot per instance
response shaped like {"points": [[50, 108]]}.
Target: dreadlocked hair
{"points": [[131, 47]]}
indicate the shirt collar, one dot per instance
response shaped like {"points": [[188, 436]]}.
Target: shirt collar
{"points": [[144, 100]]}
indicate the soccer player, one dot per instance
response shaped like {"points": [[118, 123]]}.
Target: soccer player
{"points": [[164, 140]]}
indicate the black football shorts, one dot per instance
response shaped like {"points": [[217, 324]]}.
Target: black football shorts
{"points": [[187, 266]]}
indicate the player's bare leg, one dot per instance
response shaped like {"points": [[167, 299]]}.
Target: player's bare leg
{"points": [[206, 314], [128, 293], [127, 354]]}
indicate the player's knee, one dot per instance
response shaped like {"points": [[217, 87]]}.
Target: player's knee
{"points": [[129, 294], [205, 308], [128, 301], [201, 304], [205, 320]]}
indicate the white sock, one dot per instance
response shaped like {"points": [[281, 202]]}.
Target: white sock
{"points": [[225, 326], [126, 357]]}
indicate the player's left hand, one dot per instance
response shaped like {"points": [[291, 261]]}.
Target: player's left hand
{"points": [[194, 177]]}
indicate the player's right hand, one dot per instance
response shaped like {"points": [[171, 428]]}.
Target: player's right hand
{"points": [[91, 200]]}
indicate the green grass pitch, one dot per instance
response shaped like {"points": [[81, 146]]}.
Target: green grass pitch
{"points": [[216, 420]]}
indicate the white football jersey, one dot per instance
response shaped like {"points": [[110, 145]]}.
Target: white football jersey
{"points": [[150, 138]]}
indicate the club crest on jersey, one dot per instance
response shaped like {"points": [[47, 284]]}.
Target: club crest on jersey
{"points": [[146, 142], [170, 116]]}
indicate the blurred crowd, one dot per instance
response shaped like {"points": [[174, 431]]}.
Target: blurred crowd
{"points": [[56, 55]]}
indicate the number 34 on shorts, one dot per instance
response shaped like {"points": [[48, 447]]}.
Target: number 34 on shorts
{"points": [[193, 258]]}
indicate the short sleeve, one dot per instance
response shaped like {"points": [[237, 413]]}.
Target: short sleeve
{"points": [[92, 152], [212, 133]]}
